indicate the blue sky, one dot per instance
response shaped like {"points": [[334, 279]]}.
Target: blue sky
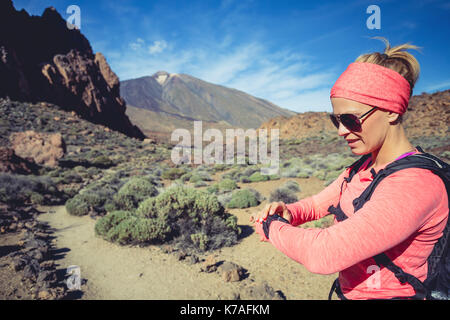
{"points": [[288, 52]]}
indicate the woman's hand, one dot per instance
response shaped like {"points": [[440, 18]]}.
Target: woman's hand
{"points": [[272, 208]]}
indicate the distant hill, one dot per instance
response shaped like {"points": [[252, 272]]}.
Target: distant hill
{"points": [[160, 125], [428, 115], [180, 96]]}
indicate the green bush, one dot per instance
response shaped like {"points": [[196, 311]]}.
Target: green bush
{"points": [[135, 190], [123, 227], [111, 220], [243, 199], [188, 217], [291, 185], [303, 175], [77, 206], [199, 176], [102, 161], [223, 186], [200, 184], [20, 189], [220, 167], [173, 173], [200, 240], [320, 174], [37, 198], [257, 176], [226, 185], [283, 194], [185, 177]]}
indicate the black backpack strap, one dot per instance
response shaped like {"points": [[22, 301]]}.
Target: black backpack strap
{"points": [[422, 161], [421, 291], [336, 287], [338, 213], [438, 277], [356, 166]]}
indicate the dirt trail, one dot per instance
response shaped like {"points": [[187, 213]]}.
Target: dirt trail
{"points": [[124, 272]]}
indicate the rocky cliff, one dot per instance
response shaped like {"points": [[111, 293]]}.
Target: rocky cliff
{"points": [[43, 60]]}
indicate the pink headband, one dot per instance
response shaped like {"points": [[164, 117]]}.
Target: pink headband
{"points": [[374, 85]]}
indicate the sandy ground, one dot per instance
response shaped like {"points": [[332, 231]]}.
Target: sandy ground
{"points": [[124, 272]]}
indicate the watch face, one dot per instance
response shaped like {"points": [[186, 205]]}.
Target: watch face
{"points": [[268, 221]]}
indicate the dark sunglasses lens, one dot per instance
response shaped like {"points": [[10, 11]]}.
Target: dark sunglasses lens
{"points": [[351, 122], [334, 120]]}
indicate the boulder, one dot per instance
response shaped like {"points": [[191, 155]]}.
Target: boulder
{"points": [[44, 148], [230, 272]]}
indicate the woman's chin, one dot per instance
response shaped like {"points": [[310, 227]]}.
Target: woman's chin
{"points": [[357, 150]]}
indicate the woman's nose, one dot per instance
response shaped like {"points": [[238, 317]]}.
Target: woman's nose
{"points": [[342, 130]]}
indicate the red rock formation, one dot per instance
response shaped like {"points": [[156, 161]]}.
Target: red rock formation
{"points": [[42, 60], [10, 162], [43, 148]]}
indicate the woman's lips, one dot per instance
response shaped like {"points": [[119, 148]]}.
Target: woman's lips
{"points": [[352, 142]]}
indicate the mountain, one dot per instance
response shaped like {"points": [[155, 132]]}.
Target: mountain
{"points": [[41, 59], [186, 97], [428, 115]]}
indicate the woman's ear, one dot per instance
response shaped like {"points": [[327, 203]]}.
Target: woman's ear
{"points": [[393, 117]]}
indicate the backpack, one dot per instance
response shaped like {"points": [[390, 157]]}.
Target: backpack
{"points": [[437, 284]]}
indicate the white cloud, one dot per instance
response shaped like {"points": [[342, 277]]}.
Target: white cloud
{"points": [[289, 80], [137, 45], [439, 86], [312, 100], [157, 47]]}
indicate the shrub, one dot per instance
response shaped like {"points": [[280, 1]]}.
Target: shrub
{"points": [[292, 185], [20, 189], [200, 184], [274, 177], [220, 167], [125, 228], [320, 174], [227, 185], [188, 217], [185, 177], [291, 171], [199, 176], [111, 220], [135, 190], [303, 175], [225, 198], [283, 194], [223, 186], [257, 176], [37, 198], [200, 240], [173, 173], [102, 161], [244, 179], [243, 199], [77, 206]]}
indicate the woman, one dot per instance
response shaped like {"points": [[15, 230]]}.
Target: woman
{"points": [[407, 212]]}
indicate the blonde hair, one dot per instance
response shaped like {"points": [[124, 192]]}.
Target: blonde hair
{"points": [[397, 59]]}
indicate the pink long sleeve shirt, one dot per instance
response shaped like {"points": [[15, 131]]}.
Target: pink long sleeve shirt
{"points": [[405, 217]]}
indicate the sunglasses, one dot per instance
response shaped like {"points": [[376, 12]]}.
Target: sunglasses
{"points": [[350, 121]]}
